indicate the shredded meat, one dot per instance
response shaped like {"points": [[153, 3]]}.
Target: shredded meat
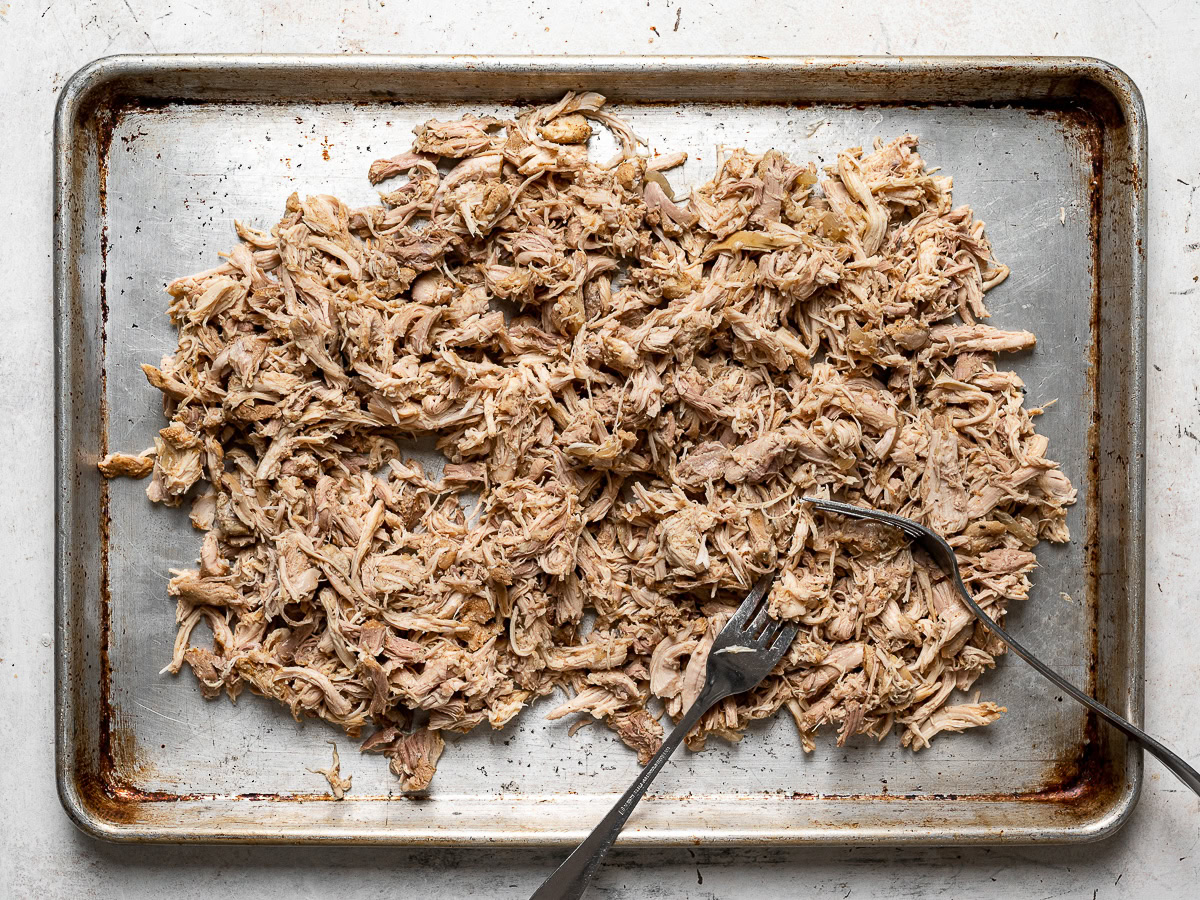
{"points": [[125, 465], [337, 784], [632, 393]]}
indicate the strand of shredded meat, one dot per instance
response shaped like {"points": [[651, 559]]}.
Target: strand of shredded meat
{"points": [[632, 393]]}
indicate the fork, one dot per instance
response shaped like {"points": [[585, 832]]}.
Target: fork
{"points": [[943, 554], [745, 650]]}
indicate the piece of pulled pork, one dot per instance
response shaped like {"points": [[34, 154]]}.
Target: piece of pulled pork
{"points": [[632, 392]]}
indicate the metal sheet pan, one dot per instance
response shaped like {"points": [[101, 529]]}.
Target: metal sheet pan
{"points": [[156, 155]]}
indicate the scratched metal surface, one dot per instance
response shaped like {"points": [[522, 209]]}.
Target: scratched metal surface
{"points": [[151, 193]]}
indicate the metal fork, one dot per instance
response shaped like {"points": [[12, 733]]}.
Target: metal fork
{"points": [[943, 554], [747, 648]]}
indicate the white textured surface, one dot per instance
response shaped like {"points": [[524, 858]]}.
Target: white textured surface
{"points": [[43, 42]]}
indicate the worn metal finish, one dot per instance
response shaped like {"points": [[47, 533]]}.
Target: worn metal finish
{"points": [[156, 155]]}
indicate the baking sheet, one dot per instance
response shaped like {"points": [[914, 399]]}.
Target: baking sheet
{"points": [[157, 155]]}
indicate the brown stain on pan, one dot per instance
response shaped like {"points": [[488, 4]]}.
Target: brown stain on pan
{"points": [[95, 786], [1085, 779], [1081, 773]]}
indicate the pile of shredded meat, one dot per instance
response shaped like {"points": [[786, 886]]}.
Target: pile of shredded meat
{"points": [[632, 391]]}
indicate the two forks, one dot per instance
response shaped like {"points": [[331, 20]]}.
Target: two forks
{"points": [[749, 647]]}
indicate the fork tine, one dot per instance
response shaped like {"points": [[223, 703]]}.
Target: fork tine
{"points": [[909, 527], [750, 604], [763, 639], [783, 640], [757, 623], [927, 538]]}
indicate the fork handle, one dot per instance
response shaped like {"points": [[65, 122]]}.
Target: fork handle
{"points": [[571, 878], [1173, 761]]}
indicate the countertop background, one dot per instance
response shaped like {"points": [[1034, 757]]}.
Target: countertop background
{"points": [[42, 42]]}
